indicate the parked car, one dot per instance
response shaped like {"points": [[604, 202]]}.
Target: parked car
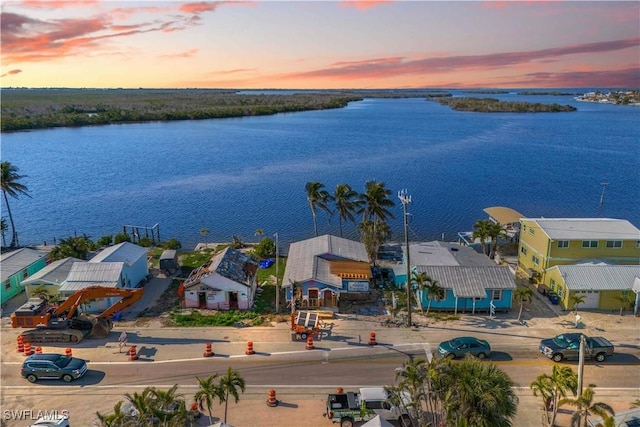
{"points": [[567, 346], [53, 366], [461, 346]]}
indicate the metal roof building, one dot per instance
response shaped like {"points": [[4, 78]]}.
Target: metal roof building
{"points": [[54, 273], [470, 282], [587, 228], [85, 274], [15, 261], [586, 277]]}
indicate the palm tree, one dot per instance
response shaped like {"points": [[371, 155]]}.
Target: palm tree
{"points": [[229, 383], [479, 394], [10, 185], [494, 232], [521, 295], [585, 406], [204, 232], [3, 230], [553, 387], [117, 419], [412, 379], [624, 298], [318, 199], [142, 403], [164, 402], [346, 203], [481, 231], [373, 234], [207, 392], [434, 291], [374, 202], [420, 279], [577, 299]]}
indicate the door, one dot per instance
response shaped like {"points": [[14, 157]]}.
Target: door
{"points": [[202, 300], [233, 300], [327, 299], [591, 299]]}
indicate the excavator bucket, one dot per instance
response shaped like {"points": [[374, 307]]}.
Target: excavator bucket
{"points": [[101, 328]]}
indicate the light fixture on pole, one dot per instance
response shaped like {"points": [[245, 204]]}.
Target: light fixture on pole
{"points": [[277, 276], [406, 199]]}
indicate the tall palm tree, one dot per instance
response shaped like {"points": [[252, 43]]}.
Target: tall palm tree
{"points": [[230, 383], [577, 299], [207, 392], [346, 203], [434, 291], [494, 232], [9, 182], [421, 280], [3, 230], [585, 406], [481, 231], [374, 203], [521, 295], [554, 387], [318, 198], [204, 232]]}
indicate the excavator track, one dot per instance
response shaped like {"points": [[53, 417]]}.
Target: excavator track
{"points": [[45, 336]]}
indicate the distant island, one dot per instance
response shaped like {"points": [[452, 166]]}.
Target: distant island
{"points": [[552, 93], [620, 97], [492, 105]]}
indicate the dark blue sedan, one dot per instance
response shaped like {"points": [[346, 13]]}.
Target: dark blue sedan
{"points": [[461, 346]]}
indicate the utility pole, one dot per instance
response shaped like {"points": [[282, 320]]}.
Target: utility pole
{"points": [[277, 277], [583, 343], [604, 186], [406, 199]]}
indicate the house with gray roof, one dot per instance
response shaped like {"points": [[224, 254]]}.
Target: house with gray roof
{"points": [[134, 259], [83, 275], [17, 266], [226, 282], [469, 288], [325, 268], [603, 286], [51, 277]]}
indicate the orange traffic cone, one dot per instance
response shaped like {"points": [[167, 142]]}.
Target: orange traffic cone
{"points": [[67, 352], [20, 344], [340, 390], [27, 349], [372, 339], [38, 350], [309, 343], [207, 350], [132, 353], [249, 348], [272, 401]]}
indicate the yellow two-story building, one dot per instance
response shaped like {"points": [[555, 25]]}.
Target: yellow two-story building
{"points": [[548, 242]]}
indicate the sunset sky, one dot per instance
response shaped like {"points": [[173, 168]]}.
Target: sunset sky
{"points": [[320, 44]]}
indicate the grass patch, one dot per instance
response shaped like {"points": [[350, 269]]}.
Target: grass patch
{"points": [[435, 315], [219, 318]]}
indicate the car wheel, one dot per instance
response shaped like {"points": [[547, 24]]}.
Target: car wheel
{"points": [[600, 357], [346, 422], [557, 357], [450, 356], [67, 378], [405, 421], [481, 356], [32, 378]]}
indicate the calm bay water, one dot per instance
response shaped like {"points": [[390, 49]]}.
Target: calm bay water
{"points": [[234, 176]]}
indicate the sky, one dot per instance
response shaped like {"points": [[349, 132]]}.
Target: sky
{"points": [[320, 44]]}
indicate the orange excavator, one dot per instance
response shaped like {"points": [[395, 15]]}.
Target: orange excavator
{"points": [[62, 322]]}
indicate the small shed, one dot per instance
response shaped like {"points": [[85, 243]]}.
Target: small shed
{"points": [[169, 261], [134, 258]]}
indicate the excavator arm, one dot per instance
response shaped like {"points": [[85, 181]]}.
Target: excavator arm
{"points": [[127, 297]]}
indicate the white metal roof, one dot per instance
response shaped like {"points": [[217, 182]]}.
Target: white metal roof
{"points": [[588, 228], [470, 282], [122, 252], [587, 277], [17, 260], [85, 274], [303, 263], [56, 272]]}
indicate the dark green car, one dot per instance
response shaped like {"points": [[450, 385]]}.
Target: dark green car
{"points": [[461, 346], [53, 366]]}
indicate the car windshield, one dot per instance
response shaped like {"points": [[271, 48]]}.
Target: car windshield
{"points": [[62, 361], [456, 343], [561, 341]]}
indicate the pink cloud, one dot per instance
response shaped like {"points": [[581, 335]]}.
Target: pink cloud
{"points": [[363, 4], [11, 72], [187, 54], [205, 6], [57, 4]]}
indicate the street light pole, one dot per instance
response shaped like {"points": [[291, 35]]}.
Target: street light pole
{"points": [[406, 199], [277, 277]]}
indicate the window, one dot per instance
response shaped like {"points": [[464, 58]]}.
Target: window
{"points": [[589, 243], [531, 231], [614, 243], [523, 250], [563, 243], [496, 294], [560, 291], [535, 260], [374, 404], [637, 243], [25, 273], [7, 284], [552, 285]]}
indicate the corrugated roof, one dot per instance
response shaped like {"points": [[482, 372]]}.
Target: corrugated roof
{"points": [[56, 272], [586, 277], [122, 252], [230, 263], [588, 228], [85, 274], [14, 261], [470, 282], [503, 214], [302, 263]]}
